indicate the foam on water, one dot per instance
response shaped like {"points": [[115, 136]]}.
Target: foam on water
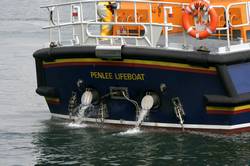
{"points": [[77, 125], [133, 131]]}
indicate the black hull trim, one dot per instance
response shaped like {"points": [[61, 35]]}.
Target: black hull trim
{"points": [[157, 54], [50, 54], [217, 100], [226, 80], [47, 92]]}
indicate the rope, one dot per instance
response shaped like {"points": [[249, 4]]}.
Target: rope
{"points": [[132, 101]]}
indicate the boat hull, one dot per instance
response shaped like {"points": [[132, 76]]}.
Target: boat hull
{"points": [[205, 87]]}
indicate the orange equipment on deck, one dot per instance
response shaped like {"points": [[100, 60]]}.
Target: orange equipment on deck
{"points": [[126, 14], [196, 9]]}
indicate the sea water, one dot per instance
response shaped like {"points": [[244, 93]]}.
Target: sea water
{"points": [[28, 135]]}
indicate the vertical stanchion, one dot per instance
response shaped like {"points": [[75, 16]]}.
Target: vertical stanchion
{"points": [[166, 26], [151, 28], [59, 27]]}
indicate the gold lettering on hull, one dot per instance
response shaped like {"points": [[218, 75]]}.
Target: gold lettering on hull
{"points": [[101, 75], [117, 76]]}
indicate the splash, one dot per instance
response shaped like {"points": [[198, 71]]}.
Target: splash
{"points": [[133, 131], [136, 129], [78, 121], [76, 125], [81, 113]]}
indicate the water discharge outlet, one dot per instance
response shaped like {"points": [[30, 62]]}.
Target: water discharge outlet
{"points": [[89, 97], [149, 101]]}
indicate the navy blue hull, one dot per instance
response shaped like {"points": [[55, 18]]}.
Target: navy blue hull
{"points": [[189, 87], [191, 84]]}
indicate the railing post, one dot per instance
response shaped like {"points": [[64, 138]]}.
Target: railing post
{"points": [[81, 11], [228, 26], [247, 12], [50, 9], [50, 29], [166, 23], [96, 20], [135, 11], [135, 18], [59, 28], [151, 28]]}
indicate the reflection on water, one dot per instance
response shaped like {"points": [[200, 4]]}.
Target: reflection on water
{"points": [[59, 143]]}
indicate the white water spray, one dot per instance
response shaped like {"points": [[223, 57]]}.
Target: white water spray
{"points": [[146, 105], [141, 117], [86, 100], [81, 114], [80, 118], [135, 130]]}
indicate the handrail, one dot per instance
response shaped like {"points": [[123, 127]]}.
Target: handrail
{"points": [[148, 25], [228, 20], [82, 22], [247, 13], [138, 1]]}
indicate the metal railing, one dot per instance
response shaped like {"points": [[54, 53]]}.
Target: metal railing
{"points": [[83, 35]]}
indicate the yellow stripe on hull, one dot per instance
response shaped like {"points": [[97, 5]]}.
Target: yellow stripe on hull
{"points": [[233, 109], [128, 61]]}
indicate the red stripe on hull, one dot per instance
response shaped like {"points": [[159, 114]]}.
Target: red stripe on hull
{"points": [[53, 102], [130, 65]]}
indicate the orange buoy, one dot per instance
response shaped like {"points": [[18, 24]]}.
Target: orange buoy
{"points": [[194, 9]]}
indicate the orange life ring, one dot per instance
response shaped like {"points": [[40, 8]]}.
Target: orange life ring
{"points": [[192, 9]]}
